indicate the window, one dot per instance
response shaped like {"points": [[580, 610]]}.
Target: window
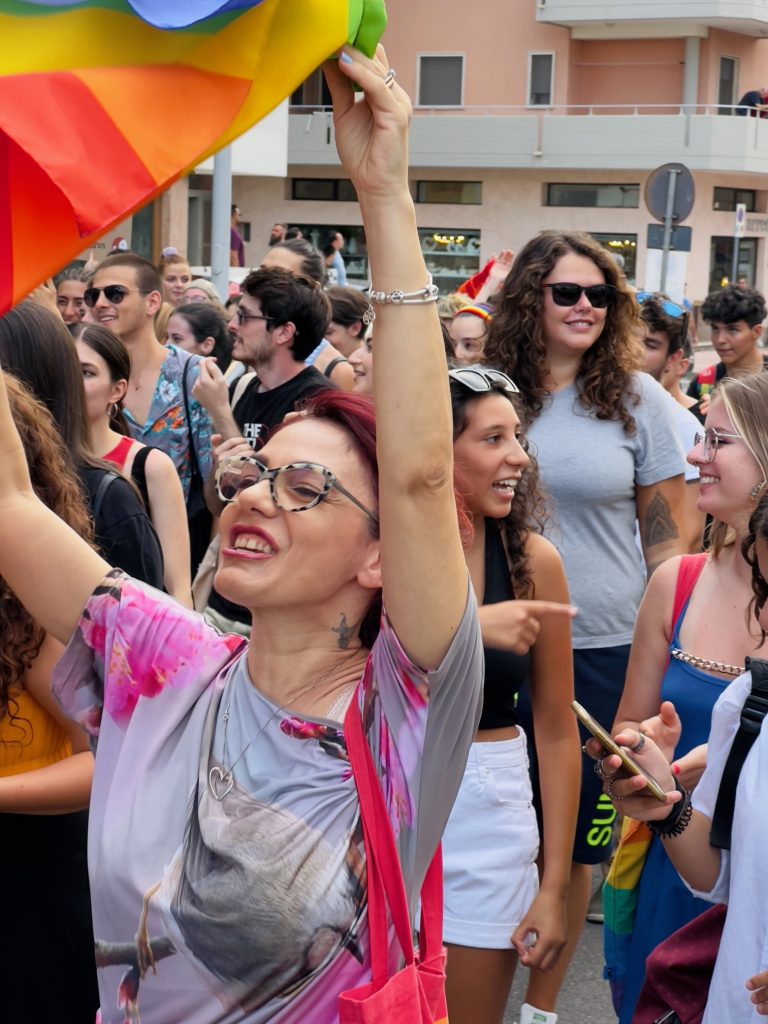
{"points": [[721, 266], [332, 190], [728, 84], [441, 80], [354, 252], [469, 193], [727, 198], [621, 245], [618, 196], [541, 71], [313, 92]]}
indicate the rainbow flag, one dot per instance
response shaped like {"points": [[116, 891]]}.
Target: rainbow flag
{"points": [[105, 103]]}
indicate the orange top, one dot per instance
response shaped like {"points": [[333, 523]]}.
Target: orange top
{"points": [[32, 739]]}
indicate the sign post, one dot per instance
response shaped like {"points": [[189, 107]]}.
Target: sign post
{"points": [[739, 230], [669, 195]]}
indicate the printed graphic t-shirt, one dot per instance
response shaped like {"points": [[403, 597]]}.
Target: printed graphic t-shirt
{"points": [[256, 902]]}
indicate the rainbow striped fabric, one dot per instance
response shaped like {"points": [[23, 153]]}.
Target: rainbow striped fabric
{"points": [[104, 103]]}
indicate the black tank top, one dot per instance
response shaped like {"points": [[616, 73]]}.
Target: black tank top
{"points": [[505, 672]]}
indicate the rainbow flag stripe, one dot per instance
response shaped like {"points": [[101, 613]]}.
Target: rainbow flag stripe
{"points": [[104, 103]]}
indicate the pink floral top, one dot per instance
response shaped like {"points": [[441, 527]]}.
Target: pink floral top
{"points": [[250, 902]]}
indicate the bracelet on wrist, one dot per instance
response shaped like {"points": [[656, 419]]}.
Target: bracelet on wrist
{"points": [[429, 293], [678, 819]]}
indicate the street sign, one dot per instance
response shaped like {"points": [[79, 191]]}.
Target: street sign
{"points": [[741, 220], [680, 238], [657, 192]]}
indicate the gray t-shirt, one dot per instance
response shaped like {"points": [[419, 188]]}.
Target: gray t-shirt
{"points": [[590, 469]]}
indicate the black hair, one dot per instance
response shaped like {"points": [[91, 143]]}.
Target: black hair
{"points": [[105, 343], [205, 321], [653, 316], [731, 304], [287, 298], [312, 264]]}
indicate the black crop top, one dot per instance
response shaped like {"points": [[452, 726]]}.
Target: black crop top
{"points": [[505, 672]]}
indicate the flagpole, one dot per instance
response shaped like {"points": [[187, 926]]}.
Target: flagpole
{"points": [[221, 220]]}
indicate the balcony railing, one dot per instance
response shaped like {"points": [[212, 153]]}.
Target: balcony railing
{"points": [[748, 16], [618, 136]]}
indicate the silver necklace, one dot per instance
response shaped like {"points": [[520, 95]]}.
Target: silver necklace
{"points": [[706, 664], [221, 779]]}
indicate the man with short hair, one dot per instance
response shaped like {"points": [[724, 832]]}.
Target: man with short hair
{"points": [[279, 320], [277, 234], [753, 103], [666, 328], [124, 295], [236, 241], [735, 317]]}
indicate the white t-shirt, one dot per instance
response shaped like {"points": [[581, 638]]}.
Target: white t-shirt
{"points": [[743, 879]]}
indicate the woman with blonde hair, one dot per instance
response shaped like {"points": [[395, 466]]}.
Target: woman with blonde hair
{"points": [[565, 330], [690, 661], [46, 769]]}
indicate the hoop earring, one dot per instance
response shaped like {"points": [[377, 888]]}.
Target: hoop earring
{"points": [[113, 410]]}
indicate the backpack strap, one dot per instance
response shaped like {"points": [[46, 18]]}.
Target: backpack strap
{"points": [[194, 463], [240, 388], [333, 364], [139, 473], [105, 483], [752, 715]]}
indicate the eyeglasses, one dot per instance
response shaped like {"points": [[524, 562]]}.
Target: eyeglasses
{"points": [[114, 293], [480, 380], [566, 294], [242, 316], [711, 440], [294, 488]]}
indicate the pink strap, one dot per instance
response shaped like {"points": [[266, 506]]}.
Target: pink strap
{"points": [[385, 877], [687, 575]]}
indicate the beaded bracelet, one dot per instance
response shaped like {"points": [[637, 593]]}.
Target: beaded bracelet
{"points": [[429, 293], [678, 819]]}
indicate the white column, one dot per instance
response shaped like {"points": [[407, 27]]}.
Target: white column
{"points": [[691, 71]]}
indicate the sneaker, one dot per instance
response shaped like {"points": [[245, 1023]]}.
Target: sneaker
{"points": [[595, 910], [530, 1015]]}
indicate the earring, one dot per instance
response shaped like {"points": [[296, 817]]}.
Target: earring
{"points": [[757, 490], [113, 410]]}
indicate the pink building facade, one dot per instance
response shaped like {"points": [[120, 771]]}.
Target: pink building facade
{"points": [[537, 114]]}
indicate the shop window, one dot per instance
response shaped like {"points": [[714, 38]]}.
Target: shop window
{"points": [[727, 198], [721, 264], [354, 253], [581, 194], [469, 193], [541, 75], [451, 254], [440, 80], [621, 245]]}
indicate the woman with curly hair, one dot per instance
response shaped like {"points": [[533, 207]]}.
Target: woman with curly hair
{"points": [[46, 770], [566, 330], [493, 902]]}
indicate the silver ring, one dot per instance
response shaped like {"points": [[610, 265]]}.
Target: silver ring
{"points": [[640, 743], [609, 792], [389, 78], [597, 767]]}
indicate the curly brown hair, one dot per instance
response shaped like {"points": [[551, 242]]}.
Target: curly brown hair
{"points": [[528, 512], [516, 343], [56, 485]]}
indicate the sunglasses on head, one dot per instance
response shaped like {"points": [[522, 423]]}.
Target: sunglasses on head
{"points": [[667, 305], [480, 379], [566, 294], [114, 293]]}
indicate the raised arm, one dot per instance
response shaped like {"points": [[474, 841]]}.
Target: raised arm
{"points": [[50, 569], [424, 574]]}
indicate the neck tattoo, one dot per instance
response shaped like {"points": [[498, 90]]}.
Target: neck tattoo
{"points": [[220, 778], [345, 631]]}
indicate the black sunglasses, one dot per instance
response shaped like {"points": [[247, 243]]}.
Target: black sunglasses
{"points": [[114, 293], [566, 294]]}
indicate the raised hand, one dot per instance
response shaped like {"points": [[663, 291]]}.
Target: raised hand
{"points": [[372, 130]]}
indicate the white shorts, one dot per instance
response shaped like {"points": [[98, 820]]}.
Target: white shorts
{"points": [[490, 847]]}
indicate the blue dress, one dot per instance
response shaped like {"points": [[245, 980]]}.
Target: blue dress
{"points": [[664, 904]]}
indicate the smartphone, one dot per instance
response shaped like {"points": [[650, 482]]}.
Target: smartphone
{"points": [[612, 747]]}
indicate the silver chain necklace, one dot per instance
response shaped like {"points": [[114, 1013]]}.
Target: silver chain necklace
{"points": [[706, 664], [221, 779]]}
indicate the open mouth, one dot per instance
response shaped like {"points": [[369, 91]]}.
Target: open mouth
{"points": [[252, 542]]}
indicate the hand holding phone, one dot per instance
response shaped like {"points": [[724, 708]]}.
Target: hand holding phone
{"points": [[610, 744]]}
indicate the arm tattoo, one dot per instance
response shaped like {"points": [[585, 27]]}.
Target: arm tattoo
{"points": [[345, 631], [659, 525]]}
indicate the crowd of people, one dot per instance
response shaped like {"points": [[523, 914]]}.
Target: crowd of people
{"points": [[225, 540]]}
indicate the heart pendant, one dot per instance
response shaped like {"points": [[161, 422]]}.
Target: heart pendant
{"points": [[219, 782]]}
